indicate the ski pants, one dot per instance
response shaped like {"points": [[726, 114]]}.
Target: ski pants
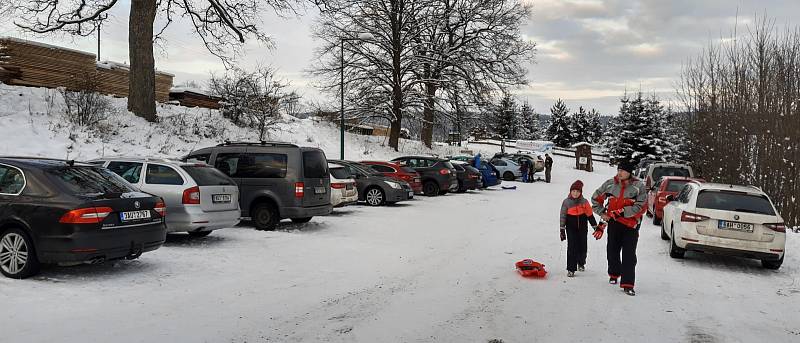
{"points": [[622, 239], [576, 247]]}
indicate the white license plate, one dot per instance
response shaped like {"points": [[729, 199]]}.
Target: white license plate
{"points": [[319, 190], [735, 226], [411, 194], [221, 198], [134, 215]]}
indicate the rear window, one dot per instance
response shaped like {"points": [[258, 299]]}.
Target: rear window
{"points": [[88, 180], [735, 201], [315, 165], [341, 173], [457, 167], [208, 176], [382, 168], [448, 165], [676, 185], [408, 170], [660, 172]]}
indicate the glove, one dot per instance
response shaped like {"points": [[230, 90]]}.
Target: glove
{"points": [[616, 213], [563, 234], [598, 231]]}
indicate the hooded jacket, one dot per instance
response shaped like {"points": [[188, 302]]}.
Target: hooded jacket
{"points": [[628, 195], [576, 212]]}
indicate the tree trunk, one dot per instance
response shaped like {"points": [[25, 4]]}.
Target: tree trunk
{"points": [[397, 83], [428, 114], [142, 75]]}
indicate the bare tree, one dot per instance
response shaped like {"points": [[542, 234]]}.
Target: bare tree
{"points": [[221, 25], [83, 105]]}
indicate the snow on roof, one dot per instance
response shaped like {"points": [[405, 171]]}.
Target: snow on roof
{"points": [[184, 89], [43, 45], [116, 65], [581, 143]]}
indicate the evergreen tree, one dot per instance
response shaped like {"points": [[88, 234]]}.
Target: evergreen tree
{"points": [[506, 121], [529, 123], [595, 127], [579, 123], [559, 131], [639, 130]]}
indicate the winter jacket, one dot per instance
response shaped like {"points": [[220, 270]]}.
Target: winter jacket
{"points": [[548, 162], [524, 166], [628, 195], [576, 213]]}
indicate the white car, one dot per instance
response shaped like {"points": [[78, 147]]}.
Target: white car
{"points": [[343, 187], [509, 170], [724, 219], [199, 198]]}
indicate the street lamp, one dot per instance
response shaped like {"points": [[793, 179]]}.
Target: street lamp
{"points": [[361, 37]]}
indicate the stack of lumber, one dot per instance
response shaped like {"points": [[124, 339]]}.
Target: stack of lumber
{"points": [[191, 98], [112, 79]]}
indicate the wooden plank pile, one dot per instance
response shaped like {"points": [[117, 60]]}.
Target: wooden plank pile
{"points": [[26, 63], [189, 98]]}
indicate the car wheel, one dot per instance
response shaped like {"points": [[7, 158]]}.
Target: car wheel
{"points": [[508, 176], [374, 197], [674, 250], [198, 234], [656, 220], [774, 264], [663, 232], [17, 255], [301, 220], [430, 189], [265, 216]]}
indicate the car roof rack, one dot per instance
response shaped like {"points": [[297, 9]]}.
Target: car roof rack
{"points": [[261, 143]]}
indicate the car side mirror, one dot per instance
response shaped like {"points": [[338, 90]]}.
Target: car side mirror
{"points": [[670, 197]]}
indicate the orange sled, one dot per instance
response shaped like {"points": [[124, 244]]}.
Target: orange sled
{"points": [[530, 268]]}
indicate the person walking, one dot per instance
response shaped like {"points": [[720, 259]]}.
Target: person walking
{"points": [[576, 214], [523, 167], [548, 167], [621, 201]]}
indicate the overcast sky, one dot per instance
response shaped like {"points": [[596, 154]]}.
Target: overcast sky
{"points": [[589, 51]]}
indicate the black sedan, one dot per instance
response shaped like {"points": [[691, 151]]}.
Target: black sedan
{"points": [[55, 211], [374, 188]]}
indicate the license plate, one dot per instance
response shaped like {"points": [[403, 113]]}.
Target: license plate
{"points": [[221, 198], [134, 215], [735, 226], [319, 190], [411, 194]]}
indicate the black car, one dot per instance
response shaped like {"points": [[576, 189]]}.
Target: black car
{"points": [[373, 187], [438, 175], [56, 211], [468, 177]]}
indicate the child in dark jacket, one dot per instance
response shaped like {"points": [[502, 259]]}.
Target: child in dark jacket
{"points": [[576, 214]]}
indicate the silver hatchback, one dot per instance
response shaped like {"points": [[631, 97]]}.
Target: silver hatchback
{"points": [[199, 198]]}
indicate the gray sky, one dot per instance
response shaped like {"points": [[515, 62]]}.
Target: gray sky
{"points": [[589, 51]]}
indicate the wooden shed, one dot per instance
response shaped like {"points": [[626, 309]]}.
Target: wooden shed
{"points": [[583, 156]]}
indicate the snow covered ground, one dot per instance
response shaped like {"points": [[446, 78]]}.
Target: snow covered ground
{"points": [[433, 269]]}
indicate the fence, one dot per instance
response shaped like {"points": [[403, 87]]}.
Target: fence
{"points": [[568, 152]]}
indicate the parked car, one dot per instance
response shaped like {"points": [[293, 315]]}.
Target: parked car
{"points": [[508, 169], [535, 159], [343, 186], [725, 219], [374, 188], [468, 177], [56, 211], [641, 168], [276, 180], [656, 171], [490, 176], [438, 175], [199, 198], [657, 196], [397, 172]]}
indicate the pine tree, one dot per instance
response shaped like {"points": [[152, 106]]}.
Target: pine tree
{"points": [[506, 122], [639, 130], [595, 127], [559, 130], [579, 123], [529, 123]]}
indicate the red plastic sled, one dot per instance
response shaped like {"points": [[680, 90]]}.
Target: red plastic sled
{"points": [[531, 268]]}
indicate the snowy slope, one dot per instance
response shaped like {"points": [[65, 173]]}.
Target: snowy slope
{"points": [[430, 270]]}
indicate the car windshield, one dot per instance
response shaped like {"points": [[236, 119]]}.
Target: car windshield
{"points": [[208, 176], [676, 185], [366, 169], [88, 180], [340, 173], [735, 201]]}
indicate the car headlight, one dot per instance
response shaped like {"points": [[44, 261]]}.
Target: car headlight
{"points": [[394, 185]]}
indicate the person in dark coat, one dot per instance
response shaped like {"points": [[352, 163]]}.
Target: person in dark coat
{"points": [[523, 167], [576, 214], [548, 166], [626, 198]]}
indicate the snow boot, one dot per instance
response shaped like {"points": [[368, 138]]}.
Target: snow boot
{"points": [[570, 274], [581, 268], [612, 281], [629, 291]]}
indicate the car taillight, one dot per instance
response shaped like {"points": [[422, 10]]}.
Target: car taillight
{"points": [[191, 196], [299, 189], [692, 217], [444, 171], [161, 208], [89, 215], [338, 185], [406, 177], [777, 227]]}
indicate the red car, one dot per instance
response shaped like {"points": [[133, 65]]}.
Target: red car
{"points": [[657, 196], [397, 172]]}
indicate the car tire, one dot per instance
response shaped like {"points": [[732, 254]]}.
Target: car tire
{"points": [[265, 216], [301, 220], [508, 176], [656, 220], [14, 242], [199, 234], [774, 265], [374, 196], [674, 250], [663, 232], [430, 188]]}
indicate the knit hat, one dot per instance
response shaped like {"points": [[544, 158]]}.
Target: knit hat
{"points": [[626, 166], [577, 185]]}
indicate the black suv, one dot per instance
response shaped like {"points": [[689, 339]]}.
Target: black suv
{"points": [[55, 211], [276, 180], [374, 188], [438, 175]]}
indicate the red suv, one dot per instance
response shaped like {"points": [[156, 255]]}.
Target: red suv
{"points": [[657, 196], [397, 172]]}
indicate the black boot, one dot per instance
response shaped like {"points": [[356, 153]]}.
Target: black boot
{"points": [[612, 281], [629, 291]]}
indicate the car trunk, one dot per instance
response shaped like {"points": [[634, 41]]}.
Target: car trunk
{"points": [[218, 192], [124, 208], [735, 215], [316, 180]]}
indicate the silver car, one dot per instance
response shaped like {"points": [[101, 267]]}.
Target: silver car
{"points": [[199, 198]]}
